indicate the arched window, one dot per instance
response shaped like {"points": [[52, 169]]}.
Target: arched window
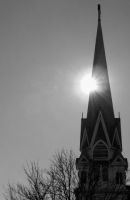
{"points": [[100, 151]]}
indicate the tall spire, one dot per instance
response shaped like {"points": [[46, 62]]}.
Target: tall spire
{"points": [[100, 137], [100, 100]]}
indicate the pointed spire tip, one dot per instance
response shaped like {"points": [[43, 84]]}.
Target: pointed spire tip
{"points": [[99, 12]]}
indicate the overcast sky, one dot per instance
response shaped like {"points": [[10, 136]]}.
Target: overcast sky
{"points": [[45, 48]]}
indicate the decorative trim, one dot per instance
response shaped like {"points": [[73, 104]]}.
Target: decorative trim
{"points": [[100, 141], [100, 118], [115, 162], [116, 138], [83, 159], [84, 138]]}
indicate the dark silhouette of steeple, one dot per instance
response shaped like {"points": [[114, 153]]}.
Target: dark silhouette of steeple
{"points": [[100, 106], [100, 100], [101, 165]]}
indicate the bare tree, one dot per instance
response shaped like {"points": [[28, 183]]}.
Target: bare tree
{"points": [[36, 189], [63, 176], [57, 182]]}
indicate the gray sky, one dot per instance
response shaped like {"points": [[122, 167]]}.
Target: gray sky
{"points": [[45, 47]]}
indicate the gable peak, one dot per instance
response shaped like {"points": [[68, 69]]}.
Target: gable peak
{"points": [[116, 140], [84, 140], [100, 131]]}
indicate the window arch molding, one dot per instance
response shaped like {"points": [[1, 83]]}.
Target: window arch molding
{"points": [[100, 150]]}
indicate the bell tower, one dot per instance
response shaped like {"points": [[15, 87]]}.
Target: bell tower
{"points": [[101, 165]]}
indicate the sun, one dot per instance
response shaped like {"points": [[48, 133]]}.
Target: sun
{"points": [[88, 84]]}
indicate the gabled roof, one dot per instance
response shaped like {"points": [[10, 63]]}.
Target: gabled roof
{"points": [[116, 140], [84, 140], [111, 137], [100, 131], [119, 160]]}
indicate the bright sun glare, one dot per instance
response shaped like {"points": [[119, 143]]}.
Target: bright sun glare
{"points": [[88, 84]]}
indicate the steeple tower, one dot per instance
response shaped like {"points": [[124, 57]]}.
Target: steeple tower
{"points": [[101, 165], [100, 100]]}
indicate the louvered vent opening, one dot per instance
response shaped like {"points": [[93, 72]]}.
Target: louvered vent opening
{"points": [[100, 152]]}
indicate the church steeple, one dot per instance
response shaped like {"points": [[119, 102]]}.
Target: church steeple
{"points": [[100, 100], [100, 123], [101, 165]]}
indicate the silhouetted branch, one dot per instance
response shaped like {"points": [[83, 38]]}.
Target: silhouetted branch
{"points": [[57, 183]]}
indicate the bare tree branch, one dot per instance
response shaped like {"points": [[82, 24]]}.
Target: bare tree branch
{"points": [[57, 183]]}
